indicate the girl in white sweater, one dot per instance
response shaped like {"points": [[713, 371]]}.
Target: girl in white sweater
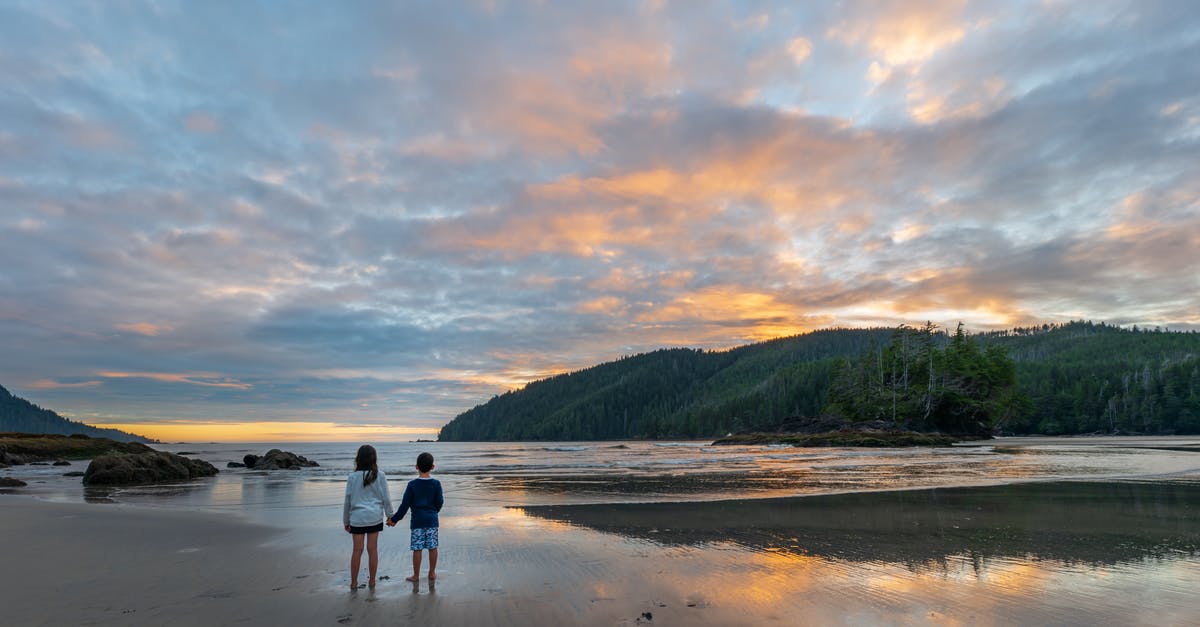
{"points": [[366, 506]]}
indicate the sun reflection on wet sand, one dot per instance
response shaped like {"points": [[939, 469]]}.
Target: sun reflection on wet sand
{"points": [[1031, 554]]}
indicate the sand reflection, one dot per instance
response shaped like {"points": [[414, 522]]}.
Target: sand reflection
{"points": [[1063, 553], [1091, 523]]}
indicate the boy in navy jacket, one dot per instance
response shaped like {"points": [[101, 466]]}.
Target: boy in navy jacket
{"points": [[424, 497]]}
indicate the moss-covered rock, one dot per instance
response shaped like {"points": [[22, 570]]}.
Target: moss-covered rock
{"points": [[25, 448]]}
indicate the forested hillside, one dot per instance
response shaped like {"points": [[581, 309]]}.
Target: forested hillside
{"points": [[1074, 378], [671, 392], [1087, 378], [18, 415]]}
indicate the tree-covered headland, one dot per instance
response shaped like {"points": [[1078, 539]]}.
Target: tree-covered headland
{"points": [[1079, 377], [920, 382]]}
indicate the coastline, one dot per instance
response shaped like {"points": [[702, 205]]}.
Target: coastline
{"points": [[538, 548]]}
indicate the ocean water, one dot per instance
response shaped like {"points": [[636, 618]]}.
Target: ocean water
{"points": [[541, 473], [486, 475], [1008, 531]]}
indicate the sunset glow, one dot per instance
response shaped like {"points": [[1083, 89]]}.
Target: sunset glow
{"points": [[282, 431], [356, 221]]}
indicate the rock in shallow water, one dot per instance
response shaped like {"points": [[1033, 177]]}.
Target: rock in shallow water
{"points": [[152, 467], [9, 482], [276, 459]]}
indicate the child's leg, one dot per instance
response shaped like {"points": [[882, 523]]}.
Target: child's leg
{"points": [[416, 566], [432, 563], [372, 556], [355, 559]]}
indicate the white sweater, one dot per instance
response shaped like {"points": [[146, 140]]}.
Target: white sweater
{"points": [[366, 505]]}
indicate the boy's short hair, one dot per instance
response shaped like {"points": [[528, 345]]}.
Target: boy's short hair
{"points": [[425, 462]]}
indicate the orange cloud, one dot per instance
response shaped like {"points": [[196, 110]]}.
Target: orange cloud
{"points": [[546, 116], [142, 328], [602, 305], [901, 33], [49, 384], [757, 315], [206, 379]]}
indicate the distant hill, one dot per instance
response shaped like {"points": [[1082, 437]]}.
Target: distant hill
{"points": [[20, 416], [1079, 377]]}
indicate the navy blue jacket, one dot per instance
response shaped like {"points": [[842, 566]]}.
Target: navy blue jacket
{"points": [[424, 497]]}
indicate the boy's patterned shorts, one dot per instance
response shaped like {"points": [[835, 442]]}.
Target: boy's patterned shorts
{"points": [[423, 539]]}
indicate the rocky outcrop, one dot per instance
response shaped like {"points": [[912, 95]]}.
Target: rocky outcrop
{"points": [[276, 459], [821, 431], [27, 448], [9, 482], [151, 467], [844, 438]]}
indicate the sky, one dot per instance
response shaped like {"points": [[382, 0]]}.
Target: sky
{"points": [[352, 221]]}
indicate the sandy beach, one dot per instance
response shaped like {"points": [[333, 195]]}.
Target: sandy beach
{"points": [[1058, 532], [1032, 554], [117, 565]]}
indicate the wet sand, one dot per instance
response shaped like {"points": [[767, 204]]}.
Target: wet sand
{"points": [[1043, 553], [71, 564]]}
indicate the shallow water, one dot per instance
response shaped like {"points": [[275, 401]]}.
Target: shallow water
{"points": [[1011, 531]]}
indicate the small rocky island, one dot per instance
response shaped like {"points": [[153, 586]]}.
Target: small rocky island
{"points": [[275, 459], [832, 431]]}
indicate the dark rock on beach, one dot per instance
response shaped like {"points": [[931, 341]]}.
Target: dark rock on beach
{"points": [[62, 462], [151, 467], [74, 473], [9, 482], [235, 465], [276, 459]]}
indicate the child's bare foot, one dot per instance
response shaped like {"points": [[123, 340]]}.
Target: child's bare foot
{"points": [[432, 575], [353, 585], [371, 583], [413, 579]]}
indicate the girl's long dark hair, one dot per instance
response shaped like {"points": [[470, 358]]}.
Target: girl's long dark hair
{"points": [[366, 460]]}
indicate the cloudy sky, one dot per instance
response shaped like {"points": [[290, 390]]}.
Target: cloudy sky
{"points": [[225, 220]]}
